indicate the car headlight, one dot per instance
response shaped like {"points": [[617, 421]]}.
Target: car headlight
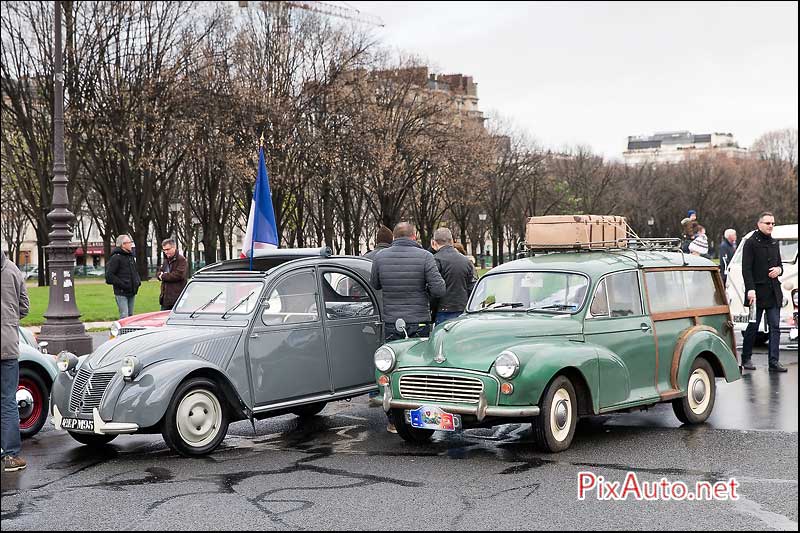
{"points": [[507, 364], [384, 358], [114, 330], [130, 367], [66, 361], [794, 297]]}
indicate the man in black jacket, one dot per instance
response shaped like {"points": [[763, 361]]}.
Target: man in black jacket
{"points": [[458, 274], [727, 249], [408, 277], [383, 240], [122, 274], [761, 266]]}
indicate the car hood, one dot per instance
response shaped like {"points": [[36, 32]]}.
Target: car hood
{"points": [[169, 342], [474, 341]]}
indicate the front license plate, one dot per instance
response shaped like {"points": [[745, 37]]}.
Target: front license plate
{"points": [[77, 423], [432, 417], [741, 318]]}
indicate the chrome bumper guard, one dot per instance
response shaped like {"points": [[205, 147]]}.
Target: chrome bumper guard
{"points": [[480, 411], [101, 427]]}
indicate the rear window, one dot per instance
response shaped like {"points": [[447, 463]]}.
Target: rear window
{"points": [[678, 290]]}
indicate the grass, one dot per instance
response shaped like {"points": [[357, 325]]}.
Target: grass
{"points": [[95, 301]]}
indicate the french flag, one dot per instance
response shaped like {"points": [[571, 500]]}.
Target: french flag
{"points": [[261, 228]]}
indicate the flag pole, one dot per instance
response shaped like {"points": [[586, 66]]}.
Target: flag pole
{"points": [[255, 195]]}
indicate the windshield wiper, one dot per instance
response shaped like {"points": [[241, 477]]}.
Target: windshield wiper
{"points": [[211, 301], [555, 307], [240, 302], [498, 305]]}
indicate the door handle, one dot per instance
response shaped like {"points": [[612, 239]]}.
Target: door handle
{"points": [[645, 327], [254, 336], [377, 324]]}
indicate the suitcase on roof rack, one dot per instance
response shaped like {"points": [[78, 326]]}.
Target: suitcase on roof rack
{"points": [[575, 231]]}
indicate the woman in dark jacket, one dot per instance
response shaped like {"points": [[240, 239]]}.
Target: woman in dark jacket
{"points": [[121, 273]]}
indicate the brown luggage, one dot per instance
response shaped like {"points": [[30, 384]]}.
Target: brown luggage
{"points": [[570, 231]]}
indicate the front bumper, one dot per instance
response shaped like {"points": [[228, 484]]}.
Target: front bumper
{"points": [[480, 411], [101, 427]]}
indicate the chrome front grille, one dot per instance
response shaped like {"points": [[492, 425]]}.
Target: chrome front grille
{"points": [[88, 390], [441, 388], [123, 331]]}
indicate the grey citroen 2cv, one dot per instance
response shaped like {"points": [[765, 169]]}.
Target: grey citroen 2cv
{"points": [[297, 331]]}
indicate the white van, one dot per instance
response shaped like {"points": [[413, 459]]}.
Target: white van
{"points": [[734, 287]]}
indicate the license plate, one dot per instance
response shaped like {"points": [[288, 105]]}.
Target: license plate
{"points": [[432, 417], [793, 334], [77, 423], [741, 318]]}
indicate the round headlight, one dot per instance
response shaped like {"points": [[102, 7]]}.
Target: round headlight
{"points": [[130, 367], [506, 365], [66, 361], [114, 330], [384, 358]]}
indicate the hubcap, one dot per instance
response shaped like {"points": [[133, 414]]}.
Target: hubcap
{"points": [[560, 415], [699, 391], [199, 417], [24, 403], [30, 402]]}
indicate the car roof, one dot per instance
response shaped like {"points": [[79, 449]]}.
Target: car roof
{"points": [[265, 266], [784, 232], [596, 263]]}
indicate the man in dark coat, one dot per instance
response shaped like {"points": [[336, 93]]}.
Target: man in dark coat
{"points": [[727, 249], [122, 274], [383, 240], [172, 274], [408, 276], [458, 274], [761, 266]]}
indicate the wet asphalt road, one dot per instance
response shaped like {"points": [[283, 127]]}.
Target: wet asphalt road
{"points": [[342, 470]]}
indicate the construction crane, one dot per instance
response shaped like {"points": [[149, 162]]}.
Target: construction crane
{"points": [[327, 9]]}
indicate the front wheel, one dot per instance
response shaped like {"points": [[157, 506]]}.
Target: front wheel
{"points": [[696, 406], [92, 440], [33, 402], [408, 432], [195, 422], [554, 428]]}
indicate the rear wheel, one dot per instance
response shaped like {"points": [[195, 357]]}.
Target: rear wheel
{"points": [[407, 432], [91, 439], [196, 421], [33, 402], [696, 406], [309, 410], [554, 428]]}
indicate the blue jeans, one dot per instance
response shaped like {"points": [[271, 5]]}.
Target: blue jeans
{"points": [[774, 323], [125, 305], [9, 380], [442, 316]]}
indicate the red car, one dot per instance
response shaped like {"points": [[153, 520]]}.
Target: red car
{"points": [[156, 319]]}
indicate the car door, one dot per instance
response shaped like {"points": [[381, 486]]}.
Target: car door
{"points": [[616, 321], [286, 346], [353, 327]]}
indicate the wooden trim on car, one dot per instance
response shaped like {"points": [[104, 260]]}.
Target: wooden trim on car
{"points": [[694, 313], [676, 354], [670, 394]]}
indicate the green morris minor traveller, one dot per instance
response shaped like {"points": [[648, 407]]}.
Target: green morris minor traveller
{"points": [[558, 335]]}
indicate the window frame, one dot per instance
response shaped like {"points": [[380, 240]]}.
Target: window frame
{"points": [[316, 322], [376, 314], [693, 312], [643, 311]]}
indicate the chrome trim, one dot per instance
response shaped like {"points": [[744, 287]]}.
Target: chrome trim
{"points": [[441, 388], [101, 427], [446, 371], [327, 397]]}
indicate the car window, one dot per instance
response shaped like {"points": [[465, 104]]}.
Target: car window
{"points": [[788, 249], [623, 294], [600, 303], [700, 289], [217, 297], [345, 297], [556, 292], [292, 301], [678, 290]]}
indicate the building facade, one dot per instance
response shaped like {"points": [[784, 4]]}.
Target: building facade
{"points": [[675, 146]]}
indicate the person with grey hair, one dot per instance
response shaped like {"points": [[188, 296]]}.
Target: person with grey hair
{"points": [[726, 250], [172, 274], [14, 307], [121, 273], [457, 272]]}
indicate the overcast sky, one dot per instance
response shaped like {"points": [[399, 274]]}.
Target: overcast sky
{"points": [[593, 73]]}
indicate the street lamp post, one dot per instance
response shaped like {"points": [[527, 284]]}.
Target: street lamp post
{"points": [[62, 330], [482, 218]]}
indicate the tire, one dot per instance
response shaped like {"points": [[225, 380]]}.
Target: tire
{"points": [[91, 439], [408, 433], [309, 410], [762, 338], [690, 409], [34, 416], [196, 401], [554, 428]]}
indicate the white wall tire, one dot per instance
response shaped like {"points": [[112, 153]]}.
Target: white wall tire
{"points": [[554, 428], [696, 406], [196, 420]]}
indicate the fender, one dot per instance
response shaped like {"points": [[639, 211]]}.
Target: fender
{"points": [[540, 362], [144, 401], [694, 341]]}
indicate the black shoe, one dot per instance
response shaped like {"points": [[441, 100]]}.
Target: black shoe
{"points": [[777, 367], [748, 365]]}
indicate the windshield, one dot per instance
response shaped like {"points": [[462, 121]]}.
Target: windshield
{"points": [[788, 250], [555, 292], [228, 294]]}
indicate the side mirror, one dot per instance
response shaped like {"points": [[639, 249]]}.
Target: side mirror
{"points": [[43, 346], [400, 325]]}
